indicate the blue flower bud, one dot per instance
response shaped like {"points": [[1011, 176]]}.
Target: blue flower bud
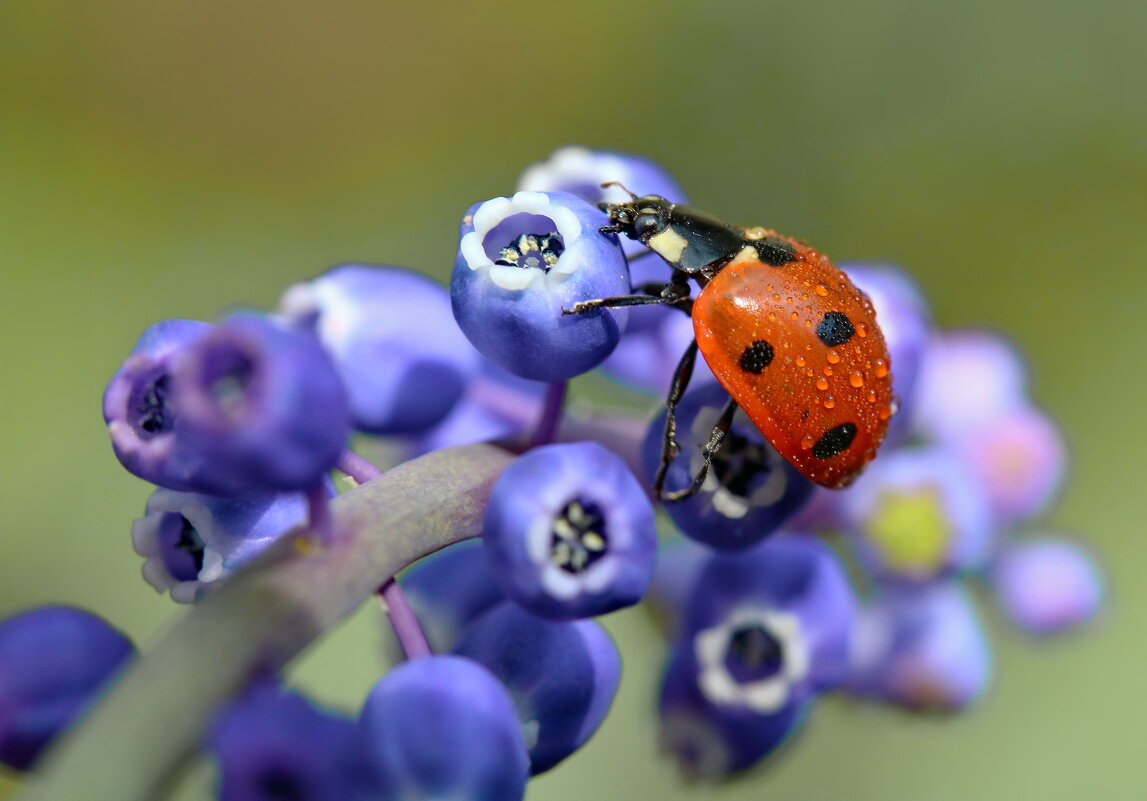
{"points": [[582, 172], [260, 407], [906, 323], [190, 541], [771, 624], [921, 648], [521, 261], [139, 408], [54, 661], [967, 376], [570, 533], [562, 676], [444, 727], [271, 745], [1019, 457], [750, 491], [709, 738], [449, 590], [392, 336], [1047, 585], [496, 405], [919, 513]]}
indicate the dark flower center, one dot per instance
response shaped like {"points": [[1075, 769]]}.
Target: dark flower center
{"points": [[527, 251], [280, 784], [153, 411], [754, 654], [181, 547], [739, 462], [579, 539]]}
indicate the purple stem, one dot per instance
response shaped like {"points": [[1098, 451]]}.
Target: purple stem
{"points": [[402, 620], [547, 428], [320, 522]]}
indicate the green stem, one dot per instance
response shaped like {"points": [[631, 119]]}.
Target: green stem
{"points": [[150, 723]]}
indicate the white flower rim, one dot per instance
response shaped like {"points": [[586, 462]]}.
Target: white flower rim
{"points": [[493, 212], [768, 695]]}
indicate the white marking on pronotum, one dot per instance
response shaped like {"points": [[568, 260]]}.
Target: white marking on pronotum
{"points": [[668, 244]]}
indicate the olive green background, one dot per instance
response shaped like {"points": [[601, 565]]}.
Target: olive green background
{"points": [[162, 159]]}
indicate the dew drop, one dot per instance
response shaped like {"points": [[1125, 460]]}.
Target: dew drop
{"points": [[833, 357], [821, 290], [821, 383], [862, 330], [800, 361], [885, 413], [856, 379], [828, 371], [807, 442], [880, 368], [872, 397], [829, 401]]}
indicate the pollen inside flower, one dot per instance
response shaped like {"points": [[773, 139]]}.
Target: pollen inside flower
{"points": [[911, 529], [753, 654], [540, 251], [578, 537]]}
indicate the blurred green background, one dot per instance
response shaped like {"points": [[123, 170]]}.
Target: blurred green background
{"points": [[163, 159]]}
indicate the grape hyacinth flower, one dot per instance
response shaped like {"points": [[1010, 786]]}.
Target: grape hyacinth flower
{"points": [[261, 407], [569, 532], [1047, 585], [449, 590], [561, 675], [919, 513], [582, 171], [191, 541], [711, 741], [271, 745], [750, 490], [139, 410], [771, 623], [391, 334], [54, 661], [444, 727], [523, 260], [967, 377], [921, 647]]}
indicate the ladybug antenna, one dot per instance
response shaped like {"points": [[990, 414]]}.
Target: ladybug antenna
{"points": [[608, 184]]}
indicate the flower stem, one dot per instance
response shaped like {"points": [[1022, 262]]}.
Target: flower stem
{"points": [[547, 427], [402, 620], [133, 744]]}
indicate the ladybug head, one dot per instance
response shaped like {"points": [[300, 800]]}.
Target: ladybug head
{"points": [[640, 218]]}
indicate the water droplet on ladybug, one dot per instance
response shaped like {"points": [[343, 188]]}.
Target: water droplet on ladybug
{"points": [[862, 330], [829, 401], [807, 442], [880, 368], [872, 397], [821, 384], [800, 361], [856, 379], [821, 290], [833, 357]]}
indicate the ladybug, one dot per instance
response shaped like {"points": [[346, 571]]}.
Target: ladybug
{"points": [[787, 334]]}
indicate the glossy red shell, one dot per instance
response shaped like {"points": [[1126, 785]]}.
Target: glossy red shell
{"points": [[809, 387]]}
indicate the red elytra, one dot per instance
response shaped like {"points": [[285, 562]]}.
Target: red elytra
{"points": [[837, 381]]}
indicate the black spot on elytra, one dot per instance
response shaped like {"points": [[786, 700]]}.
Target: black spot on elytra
{"points": [[835, 440], [835, 329], [757, 357], [775, 251]]}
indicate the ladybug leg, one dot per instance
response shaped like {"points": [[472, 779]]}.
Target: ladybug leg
{"points": [[673, 292], [716, 437], [669, 446]]}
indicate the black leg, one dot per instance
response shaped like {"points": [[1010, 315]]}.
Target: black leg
{"points": [[716, 437], [673, 292], [669, 446]]}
